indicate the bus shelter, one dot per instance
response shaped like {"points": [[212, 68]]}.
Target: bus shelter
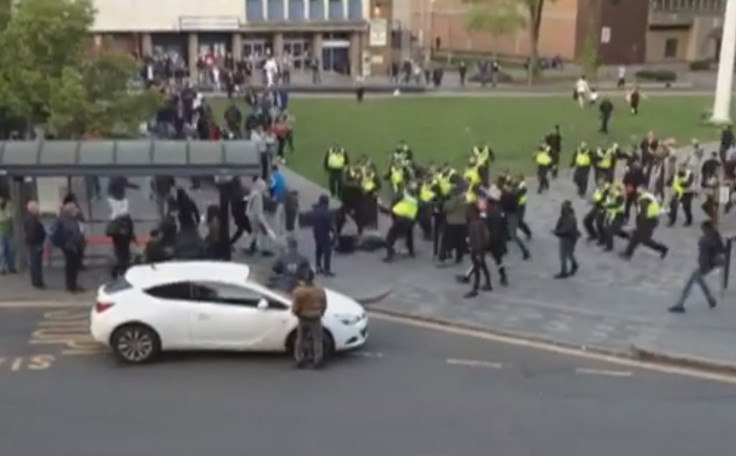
{"points": [[23, 163]]}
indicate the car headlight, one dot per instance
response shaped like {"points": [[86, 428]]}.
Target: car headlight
{"points": [[349, 320]]}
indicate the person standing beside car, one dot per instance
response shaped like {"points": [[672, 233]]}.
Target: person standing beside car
{"points": [[309, 305]]}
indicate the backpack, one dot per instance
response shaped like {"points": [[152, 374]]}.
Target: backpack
{"points": [[57, 235]]}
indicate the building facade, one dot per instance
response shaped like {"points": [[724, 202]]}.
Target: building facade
{"points": [[348, 36], [624, 31]]}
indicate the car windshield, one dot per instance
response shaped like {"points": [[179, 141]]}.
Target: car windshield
{"points": [[264, 278]]}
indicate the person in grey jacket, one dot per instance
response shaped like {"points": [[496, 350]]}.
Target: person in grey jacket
{"points": [[567, 232], [711, 255]]}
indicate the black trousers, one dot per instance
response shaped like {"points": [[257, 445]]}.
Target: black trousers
{"points": [[497, 252], [604, 124], [630, 199], [522, 222], [555, 155], [542, 176], [72, 262], [401, 227], [643, 235], [242, 226], [615, 228], [453, 238], [686, 200], [35, 264], [438, 227], [593, 223], [323, 255], [334, 182], [479, 266], [580, 177], [424, 218]]}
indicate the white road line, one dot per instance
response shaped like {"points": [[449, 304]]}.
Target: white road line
{"points": [[566, 351], [473, 363], [606, 373], [363, 354], [44, 305]]}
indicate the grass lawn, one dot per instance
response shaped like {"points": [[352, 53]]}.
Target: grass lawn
{"points": [[440, 129]]}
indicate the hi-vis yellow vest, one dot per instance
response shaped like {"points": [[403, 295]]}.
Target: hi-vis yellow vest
{"points": [[336, 159], [369, 183], [407, 207], [654, 208], [521, 190], [606, 160], [482, 154], [472, 175], [542, 158], [396, 176], [426, 194], [582, 158]]}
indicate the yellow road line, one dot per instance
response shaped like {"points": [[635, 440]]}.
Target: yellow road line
{"points": [[44, 305], [567, 351]]}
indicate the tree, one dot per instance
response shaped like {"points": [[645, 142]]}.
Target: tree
{"points": [[48, 77], [506, 16]]}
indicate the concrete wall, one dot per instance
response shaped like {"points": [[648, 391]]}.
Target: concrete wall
{"points": [[164, 15], [656, 42]]}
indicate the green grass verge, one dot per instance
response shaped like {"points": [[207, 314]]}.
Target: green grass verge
{"points": [[440, 129]]}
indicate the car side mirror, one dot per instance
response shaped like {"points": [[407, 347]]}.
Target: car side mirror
{"points": [[262, 304]]}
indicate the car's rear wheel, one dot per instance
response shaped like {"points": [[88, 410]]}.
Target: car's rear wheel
{"points": [[328, 343], [135, 343]]}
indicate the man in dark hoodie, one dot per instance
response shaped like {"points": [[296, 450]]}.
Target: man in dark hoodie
{"points": [[68, 237], [324, 232], [711, 254]]}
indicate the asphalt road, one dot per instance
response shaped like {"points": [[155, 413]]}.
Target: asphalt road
{"points": [[411, 391]]}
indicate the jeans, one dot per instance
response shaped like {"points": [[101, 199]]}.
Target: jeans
{"points": [[309, 330], [8, 257], [697, 277], [35, 264], [72, 262], [323, 255]]}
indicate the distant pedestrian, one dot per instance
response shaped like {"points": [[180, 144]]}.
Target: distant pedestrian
{"points": [[35, 237], [711, 255], [567, 232], [478, 242], [67, 236], [6, 236], [324, 235]]}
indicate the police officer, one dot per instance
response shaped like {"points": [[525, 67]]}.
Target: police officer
{"points": [[350, 196], [443, 186], [521, 194], [404, 213], [646, 223], [427, 203], [396, 175], [403, 153], [604, 162], [484, 156], [543, 160], [336, 159], [581, 162], [509, 203], [615, 205], [594, 219], [554, 141], [370, 186], [683, 192]]}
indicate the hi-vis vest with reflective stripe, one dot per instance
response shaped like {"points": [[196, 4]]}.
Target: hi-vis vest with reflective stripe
{"points": [[369, 183], [444, 181], [397, 176], [582, 158], [614, 204], [426, 194], [679, 184], [542, 157], [470, 195], [653, 209], [599, 192], [472, 175], [336, 159], [482, 154], [521, 189], [407, 207], [606, 160]]}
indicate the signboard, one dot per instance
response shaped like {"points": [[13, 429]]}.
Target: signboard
{"points": [[605, 35], [378, 35]]}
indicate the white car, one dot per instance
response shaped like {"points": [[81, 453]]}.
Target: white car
{"points": [[209, 305]]}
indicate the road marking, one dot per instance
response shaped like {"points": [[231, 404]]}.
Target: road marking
{"points": [[607, 373], [43, 305], [573, 352], [473, 363], [363, 354]]}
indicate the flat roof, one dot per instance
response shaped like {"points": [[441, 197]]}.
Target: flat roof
{"points": [[129, 158]]}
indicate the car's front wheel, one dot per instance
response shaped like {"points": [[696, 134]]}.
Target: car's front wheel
{"points": [[135, 343]]}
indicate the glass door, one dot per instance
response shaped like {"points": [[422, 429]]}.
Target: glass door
{"points": [[296, 49], [254, 48]]}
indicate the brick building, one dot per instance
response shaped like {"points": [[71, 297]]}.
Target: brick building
{"points": [[351, 36], [626, 31]]}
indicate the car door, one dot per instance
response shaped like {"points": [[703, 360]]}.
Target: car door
{"points": [[170, 317], [227, 317]]}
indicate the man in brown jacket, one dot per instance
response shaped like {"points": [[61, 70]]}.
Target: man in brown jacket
{"points": [[309, 304]]}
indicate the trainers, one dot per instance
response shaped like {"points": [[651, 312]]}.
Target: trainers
{"points": [[471, 294], [678, 309]]}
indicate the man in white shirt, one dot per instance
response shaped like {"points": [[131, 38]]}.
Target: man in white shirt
{"points": [[271, 68], [581, 91]]}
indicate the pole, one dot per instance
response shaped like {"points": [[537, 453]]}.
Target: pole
{"points": [[727, 58]]}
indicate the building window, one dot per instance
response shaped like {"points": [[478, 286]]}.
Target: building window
{"points": [[355, 10], [254, 10], [296, 10], [670, 48], [337, 13], [276, 10], [316, 10]]}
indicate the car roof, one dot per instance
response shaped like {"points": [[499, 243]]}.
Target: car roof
{"points": [[151, 275]]}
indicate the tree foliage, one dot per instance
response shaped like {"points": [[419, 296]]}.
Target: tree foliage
{"points": [[500, 17], [49, 77]]}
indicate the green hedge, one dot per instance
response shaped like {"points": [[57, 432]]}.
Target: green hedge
{"points": [[656, 75], [700, 65], [502, 78]]}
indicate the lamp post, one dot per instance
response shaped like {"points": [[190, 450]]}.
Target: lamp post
{"points": [[727, 58]]}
